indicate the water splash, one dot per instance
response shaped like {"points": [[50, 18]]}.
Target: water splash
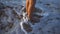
{"points": [[24, 20]]}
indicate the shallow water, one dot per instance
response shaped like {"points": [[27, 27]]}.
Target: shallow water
{"points": [[48, 24]]}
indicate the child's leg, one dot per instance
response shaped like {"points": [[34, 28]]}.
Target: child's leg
{"points": [[27, 5], [31, 8]]}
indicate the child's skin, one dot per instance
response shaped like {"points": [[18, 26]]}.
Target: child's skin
{"points": [[30, 7]]}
